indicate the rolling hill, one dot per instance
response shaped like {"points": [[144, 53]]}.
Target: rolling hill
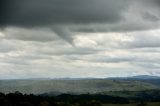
{"points": [[39, 86]]}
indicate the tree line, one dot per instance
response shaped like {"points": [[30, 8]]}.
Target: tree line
{"points": [[19, 99]]}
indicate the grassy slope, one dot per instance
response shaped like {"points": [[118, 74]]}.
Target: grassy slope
{"points": [[77, 86]]}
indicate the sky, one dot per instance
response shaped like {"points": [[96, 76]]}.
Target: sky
{"points": [[79, 38]]}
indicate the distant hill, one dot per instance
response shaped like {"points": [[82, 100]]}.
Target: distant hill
{"points": [[39, 86], [146, 77], [136, 77]]}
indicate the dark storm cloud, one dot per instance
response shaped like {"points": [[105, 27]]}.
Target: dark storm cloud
{"points": [[60, 15], [150, 17], [48, 12], [65, 17], [154, 2]]}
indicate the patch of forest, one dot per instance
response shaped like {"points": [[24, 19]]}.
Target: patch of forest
{"points": [[140, 99]]}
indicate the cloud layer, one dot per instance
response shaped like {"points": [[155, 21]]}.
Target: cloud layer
{"points": [[79, 38]]}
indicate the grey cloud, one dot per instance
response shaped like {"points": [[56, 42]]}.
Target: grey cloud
{"points": [[113, 59], [145, 40], [153, 2], [48, 12], [6, 46], [138, 16], [116, 59], [69, 51], [24, 60], [150, 17], [41, 34], [147, 65], [147, 50]]}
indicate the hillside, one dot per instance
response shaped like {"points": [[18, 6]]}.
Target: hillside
{"points": [[38, 86]]}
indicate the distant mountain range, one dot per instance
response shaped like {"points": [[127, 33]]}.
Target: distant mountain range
{"points": [[131, 77], [146, 77], [137, 77]]}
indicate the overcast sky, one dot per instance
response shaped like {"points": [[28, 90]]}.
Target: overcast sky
{"points": [[79, 38]]}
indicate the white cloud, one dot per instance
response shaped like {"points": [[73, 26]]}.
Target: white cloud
{"points": [[94, 55]]}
